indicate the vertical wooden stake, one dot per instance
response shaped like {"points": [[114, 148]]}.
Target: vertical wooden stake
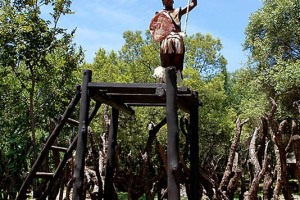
{"points": [[78, 193], [194, 151], [111, 151], [173, 134]]}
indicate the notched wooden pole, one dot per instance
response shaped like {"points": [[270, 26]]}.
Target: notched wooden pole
{"points": [[173, 134]]}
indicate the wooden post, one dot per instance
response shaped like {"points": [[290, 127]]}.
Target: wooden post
{"points": [[78, 192], [111, 151], [173, 134], [194, 151]]}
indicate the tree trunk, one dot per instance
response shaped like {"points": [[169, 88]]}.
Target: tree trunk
{"points": [[32, 126], [233, 184], [264, 127], [259, 171], [277, 170], [243, 188], [130, 178], [252, 153], [234, 145], [296, 104], [152, 135], [296, 145], [207, 183], [32, 114], [95, 160], [267, 188], [281, 167]]}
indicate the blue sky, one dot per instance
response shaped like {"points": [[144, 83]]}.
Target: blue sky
{"points": [[101, 23]]}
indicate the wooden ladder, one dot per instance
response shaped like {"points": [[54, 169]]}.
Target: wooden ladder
{"points": [[51, 177]]}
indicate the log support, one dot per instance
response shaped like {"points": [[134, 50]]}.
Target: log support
{"points": [[173, 134], [111, 152], [194, 151], [78, 177]]}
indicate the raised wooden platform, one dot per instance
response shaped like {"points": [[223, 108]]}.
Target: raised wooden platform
{"points": [[124, 96], [121, 96]]}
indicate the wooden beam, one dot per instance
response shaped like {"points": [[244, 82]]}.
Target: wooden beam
{"points": [[142, 88], [103, 98], [44, 175]]}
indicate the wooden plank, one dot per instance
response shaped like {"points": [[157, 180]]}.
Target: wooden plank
{"points": [[143, 88], [126, 99], [123, 95], [72, 122], [125, 87], [44, 175], [63, 149]]}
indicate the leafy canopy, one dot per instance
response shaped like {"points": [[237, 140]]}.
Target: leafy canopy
{"points": [[274, 44]]}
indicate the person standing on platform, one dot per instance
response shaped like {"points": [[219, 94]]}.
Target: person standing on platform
{"points": [[165, 27]]}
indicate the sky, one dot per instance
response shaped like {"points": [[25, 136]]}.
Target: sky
{"points": [[101, 23]]}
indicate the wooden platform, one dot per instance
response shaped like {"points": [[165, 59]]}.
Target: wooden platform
{"points": [[124, 96], [121, 96]]}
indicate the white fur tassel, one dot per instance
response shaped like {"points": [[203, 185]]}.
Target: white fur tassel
{"points": [[160, 74]]}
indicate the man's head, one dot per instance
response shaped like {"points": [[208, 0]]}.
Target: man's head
{"points": [[168, 3]]}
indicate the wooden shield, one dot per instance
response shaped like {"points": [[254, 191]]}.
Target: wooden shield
{"points": [[161, 26]]}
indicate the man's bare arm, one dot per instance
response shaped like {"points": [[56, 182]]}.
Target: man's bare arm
{"points": [[189, 7]]}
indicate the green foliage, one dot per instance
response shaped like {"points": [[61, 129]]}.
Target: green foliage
{"points": [[124, 196], [203, 54], [216, 117], [247, 97], [285, 81], [273, 32], [105, 67], [38, 62], [134, 63], [139, 57], [274, 44]]}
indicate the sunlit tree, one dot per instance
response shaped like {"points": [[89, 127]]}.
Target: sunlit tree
{"points": [[38, 60]]}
